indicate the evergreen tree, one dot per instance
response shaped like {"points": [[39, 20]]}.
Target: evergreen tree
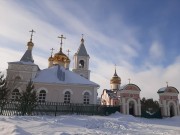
{"points": [[4, 92], [28, 99], [150, 105]]}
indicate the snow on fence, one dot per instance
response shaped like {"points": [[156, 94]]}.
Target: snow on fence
{"points": [[55, 108]]}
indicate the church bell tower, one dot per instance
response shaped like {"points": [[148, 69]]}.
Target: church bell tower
{"points": [[81, 61]]}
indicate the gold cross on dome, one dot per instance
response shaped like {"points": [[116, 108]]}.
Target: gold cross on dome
{"points": [[52, 49], [32, 31], [129, 80], [68, 52], [61, 37]]}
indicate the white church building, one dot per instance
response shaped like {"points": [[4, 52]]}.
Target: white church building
{"points": [[57, 83]]}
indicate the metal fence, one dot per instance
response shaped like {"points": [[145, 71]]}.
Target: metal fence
{"points": [[56, 108], [151, 114]]}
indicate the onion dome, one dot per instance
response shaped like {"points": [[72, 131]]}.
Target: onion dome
{"points": [[67, 60], [30, 45], [115, 79], [50, 58], [60, 57]]}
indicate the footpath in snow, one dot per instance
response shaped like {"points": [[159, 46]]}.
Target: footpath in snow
{"points": [[116, 124]]}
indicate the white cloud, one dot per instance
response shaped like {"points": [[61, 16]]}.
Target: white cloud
{"points": [[8, 55], [156, 51], [18, 21]]}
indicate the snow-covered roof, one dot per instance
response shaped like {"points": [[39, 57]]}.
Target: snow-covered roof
{"points": [[60, 75], [166, 89], [162, 90], [123, 87]]}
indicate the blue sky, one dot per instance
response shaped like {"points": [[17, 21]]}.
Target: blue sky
{"points": [[140, 37]]}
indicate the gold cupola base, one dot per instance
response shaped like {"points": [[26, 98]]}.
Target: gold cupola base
{"points": [[115, 81], [61, 59]]}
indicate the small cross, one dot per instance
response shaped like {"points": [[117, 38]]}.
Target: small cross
{"points": [[167, 84], [52, 49], [82, 40], [68, 52], [32, 31], [129, 80], [61, 37]]}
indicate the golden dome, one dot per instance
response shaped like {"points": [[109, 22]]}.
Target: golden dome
{"points": [[51, 58], [115, 79], [60, 57], [67, 60]]}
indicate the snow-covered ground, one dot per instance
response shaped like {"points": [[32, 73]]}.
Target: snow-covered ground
{"points": [[116, 124]]}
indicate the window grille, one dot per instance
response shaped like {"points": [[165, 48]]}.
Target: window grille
{"points": [[86, 98], [67, 97], [42, 96]]}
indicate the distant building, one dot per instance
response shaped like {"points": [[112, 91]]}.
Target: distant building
{"points": [[168, 100], [56, 83], [126, 96]]}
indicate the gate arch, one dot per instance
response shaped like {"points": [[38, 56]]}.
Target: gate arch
{"points": [[132, 102], [172, 110]]}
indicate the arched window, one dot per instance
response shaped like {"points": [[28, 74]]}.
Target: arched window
{"points": [[67, 97], [81, 64], [86, 98], [15, 95], [42, 96]]}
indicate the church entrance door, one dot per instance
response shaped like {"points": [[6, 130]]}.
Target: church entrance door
{"points": [[171, 110], [131, 108]]}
